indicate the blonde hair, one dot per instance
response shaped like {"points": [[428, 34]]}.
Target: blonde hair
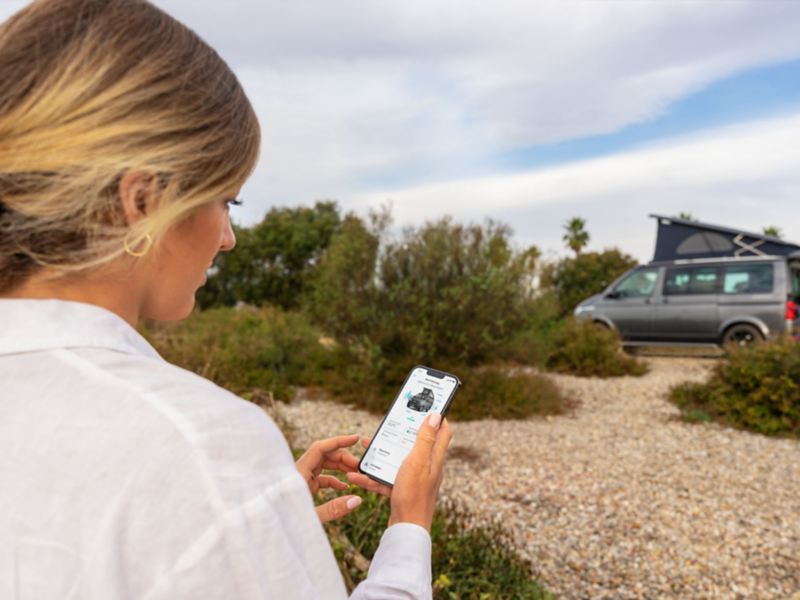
{"points": [[92, 89]]}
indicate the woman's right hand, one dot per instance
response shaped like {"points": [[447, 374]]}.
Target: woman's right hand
{"points": [[417, 485]]}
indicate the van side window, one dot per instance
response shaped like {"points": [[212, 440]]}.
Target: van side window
{"points": [[747, 279], [639, 284], [691, 280]]}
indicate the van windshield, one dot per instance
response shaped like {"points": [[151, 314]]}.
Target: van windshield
{"points": [[639, 284]]}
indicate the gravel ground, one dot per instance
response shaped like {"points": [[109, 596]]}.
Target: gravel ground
{"points": [[621, 499]]}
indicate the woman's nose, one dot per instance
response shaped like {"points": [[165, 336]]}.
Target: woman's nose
{"points": [[228, 241]]}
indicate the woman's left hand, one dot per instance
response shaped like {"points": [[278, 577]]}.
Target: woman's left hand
{"points": [[332, 454]]}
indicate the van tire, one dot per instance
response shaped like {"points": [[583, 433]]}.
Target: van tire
{"points": [[741, 335]]}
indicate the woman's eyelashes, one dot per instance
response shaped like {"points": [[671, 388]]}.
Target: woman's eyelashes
{"points": [[233, 202]]}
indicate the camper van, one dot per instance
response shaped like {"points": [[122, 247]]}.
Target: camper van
{"points": [[705, 284]]}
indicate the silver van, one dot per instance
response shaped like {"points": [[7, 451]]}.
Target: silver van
{"points": [[734, 299], [738, 300]]}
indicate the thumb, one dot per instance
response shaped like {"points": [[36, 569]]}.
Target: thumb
{"points": [[427, 434], [337, 508]]}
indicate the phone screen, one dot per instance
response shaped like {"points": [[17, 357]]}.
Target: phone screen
{"points": [[425, 391]]}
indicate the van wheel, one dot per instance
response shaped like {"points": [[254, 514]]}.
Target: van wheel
{"points": [[741, 336]]}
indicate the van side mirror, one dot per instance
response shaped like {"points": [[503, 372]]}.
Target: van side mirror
{"points": [[613, 295]]}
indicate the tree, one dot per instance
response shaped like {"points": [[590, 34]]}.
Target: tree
{"points": [[773, 231], [342, 296], [575, 279], [274, 259], [576, 235]]}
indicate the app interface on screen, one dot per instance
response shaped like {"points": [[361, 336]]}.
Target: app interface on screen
{"points": [[421, 394]]}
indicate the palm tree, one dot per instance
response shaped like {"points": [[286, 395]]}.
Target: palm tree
{"points": [[773, 231], [576, 236]]}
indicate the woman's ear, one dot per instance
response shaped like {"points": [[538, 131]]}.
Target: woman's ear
{"points": [[138, 195]]}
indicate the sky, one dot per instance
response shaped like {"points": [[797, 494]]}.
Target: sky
{"points": [[528, 112]]}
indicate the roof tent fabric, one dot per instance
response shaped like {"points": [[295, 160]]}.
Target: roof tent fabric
{"points": [[680, 238]]}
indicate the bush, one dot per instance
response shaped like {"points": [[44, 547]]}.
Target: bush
{"points": [[255, 352], [494, 393], [244, 350], [467, 562], [531, 343], [755, 388], [446, 295], [577, 278], [442, 292], [588, 349], [454, 292]]}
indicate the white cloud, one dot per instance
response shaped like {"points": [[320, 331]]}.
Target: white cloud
{"points": [[353, 92], [744, 176]]}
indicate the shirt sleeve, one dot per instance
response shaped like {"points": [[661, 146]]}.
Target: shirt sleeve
{"points": [[401, 567]]}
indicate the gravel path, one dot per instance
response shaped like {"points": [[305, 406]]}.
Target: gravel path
{"points": [[621, 499]]}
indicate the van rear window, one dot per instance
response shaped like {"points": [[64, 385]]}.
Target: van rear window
{"points": [[747, 279], [795, 283]]}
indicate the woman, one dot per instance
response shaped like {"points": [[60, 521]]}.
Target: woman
{"points": [[124, 139]]}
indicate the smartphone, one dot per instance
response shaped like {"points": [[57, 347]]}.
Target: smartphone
{"points": [[425, 391]]}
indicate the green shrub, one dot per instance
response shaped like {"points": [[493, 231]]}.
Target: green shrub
{"points": [[446, 295], [531, 343], [576, 278], [444, 291], [494, 393], [468, 562], [244, 349], [755, 388], [587, 349], [454, 292], [255, 352]]}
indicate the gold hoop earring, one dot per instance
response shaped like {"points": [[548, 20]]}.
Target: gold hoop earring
{"points": [[148, 242]]}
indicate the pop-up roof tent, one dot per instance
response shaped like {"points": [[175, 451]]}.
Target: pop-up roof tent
{"points": [[680, 238]]}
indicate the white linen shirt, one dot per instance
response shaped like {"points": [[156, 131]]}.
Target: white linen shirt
{"points": [[123, 476]]}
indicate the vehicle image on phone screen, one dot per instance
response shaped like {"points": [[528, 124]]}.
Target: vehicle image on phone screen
{"points": [[423, 401], [397, 433]]}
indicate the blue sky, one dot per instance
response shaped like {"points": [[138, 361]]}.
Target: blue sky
{"points": [[748, 95], [526, 111]]}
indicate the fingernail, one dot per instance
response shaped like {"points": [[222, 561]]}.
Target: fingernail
{"points": [[434, 420], [353, 502]]}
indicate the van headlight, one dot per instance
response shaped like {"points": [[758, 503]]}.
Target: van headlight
{"points": [[579, 310]]}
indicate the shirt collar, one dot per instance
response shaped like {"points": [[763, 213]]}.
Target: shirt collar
{"points": [[28, 325]]}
